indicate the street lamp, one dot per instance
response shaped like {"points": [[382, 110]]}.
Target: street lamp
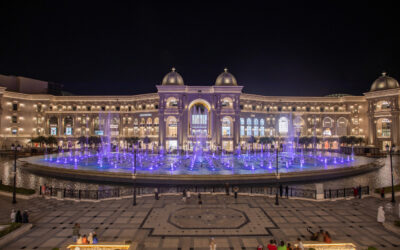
{"points": [[134, 174], [16, 149], [390, 150]]}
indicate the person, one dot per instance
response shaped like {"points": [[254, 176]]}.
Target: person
{"points": [[184, 193], [18, 217], [199, 199], [381, 215], [235, 190], [359, 191], [13, 216], [156, 193], [320, 236], [272, 245], [314, 236], [260, 247], [79, 240], [383, 193], [25, 217], [227, 188], [355, 192], [289, 246], [84, 239], [282, 246], [213, 245], [188, 194], [287, 191], [300, 245], [327, 237], [43, 190], [90, 238], [75, 232], [95, 240]]}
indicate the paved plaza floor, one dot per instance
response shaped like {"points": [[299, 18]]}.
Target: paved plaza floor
{"points": [[170, 223]]}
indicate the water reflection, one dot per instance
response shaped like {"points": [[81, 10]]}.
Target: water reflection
{"points": [[379, 178]]}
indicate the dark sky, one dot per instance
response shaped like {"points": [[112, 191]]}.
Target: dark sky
{"points": [[308, 49]]}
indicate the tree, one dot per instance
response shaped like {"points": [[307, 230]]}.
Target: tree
{"points": [[82, 140], [51, 140]]}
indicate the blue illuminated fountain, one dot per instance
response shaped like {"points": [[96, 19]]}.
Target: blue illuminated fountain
{"points": [[199, 161]]}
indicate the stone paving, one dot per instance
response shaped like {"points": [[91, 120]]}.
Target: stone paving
{"points": [[170, 223]]}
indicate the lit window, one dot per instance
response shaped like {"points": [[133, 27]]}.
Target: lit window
{"points": [[283, 126]]}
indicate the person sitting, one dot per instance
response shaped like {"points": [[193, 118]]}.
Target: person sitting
{"points": [[320, 236], [271, 245], [289, 246], [282, 246], [327, 237], [79, 241], [95, 240], [84, 239]]}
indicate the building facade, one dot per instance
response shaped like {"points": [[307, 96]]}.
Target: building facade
{"points": [[184, 117]]}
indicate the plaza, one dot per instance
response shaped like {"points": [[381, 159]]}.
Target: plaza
{"points": [[169, 223]]}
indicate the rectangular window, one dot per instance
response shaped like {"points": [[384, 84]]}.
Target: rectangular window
{"points": [[99, 132], [68, 131], [14, 119], [14, 131], [15, 106], [53, 131]]}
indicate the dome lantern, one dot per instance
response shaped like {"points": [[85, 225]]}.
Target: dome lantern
{"points": [[173, 78], [226, 79], [384, 82]]}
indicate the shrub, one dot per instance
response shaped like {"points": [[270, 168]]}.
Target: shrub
{"points": [[8, 188], [9, 229]]}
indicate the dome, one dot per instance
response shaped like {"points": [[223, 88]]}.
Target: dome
{"points": [[226, 79], [384, 82], [172, 78]]}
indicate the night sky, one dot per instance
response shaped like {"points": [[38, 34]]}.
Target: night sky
{"points": [[286, 49]]}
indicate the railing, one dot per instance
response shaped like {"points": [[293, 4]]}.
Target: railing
{"points": [[283, 191], [345, 192]]}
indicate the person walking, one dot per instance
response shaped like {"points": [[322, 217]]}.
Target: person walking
{"points": [[13, 216], [156, 193], [287, 191], [381, 215], [383, 193], [227, 188], [18, 217], [213, 245], [25, 217], [235, 190], [75, 232]]}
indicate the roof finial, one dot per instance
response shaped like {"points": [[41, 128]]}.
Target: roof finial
{"points": [[383, 73], [226, 69], [173, 69]]}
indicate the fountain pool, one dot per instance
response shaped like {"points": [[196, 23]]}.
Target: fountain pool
{"points": [[204, 165]]}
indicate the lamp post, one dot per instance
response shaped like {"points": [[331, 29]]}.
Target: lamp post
{"points": [[278, 148], [390, 150], [134, 174], [16, 149]]}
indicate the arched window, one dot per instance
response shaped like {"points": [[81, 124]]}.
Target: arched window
{"points": [[262, 128], [172, 102], [249, 121], [226, 127], [248, 128], [299, 126], [199, 120], [341, 126], [327, 122], [172, 127], [255, 129], [283, 126]]}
